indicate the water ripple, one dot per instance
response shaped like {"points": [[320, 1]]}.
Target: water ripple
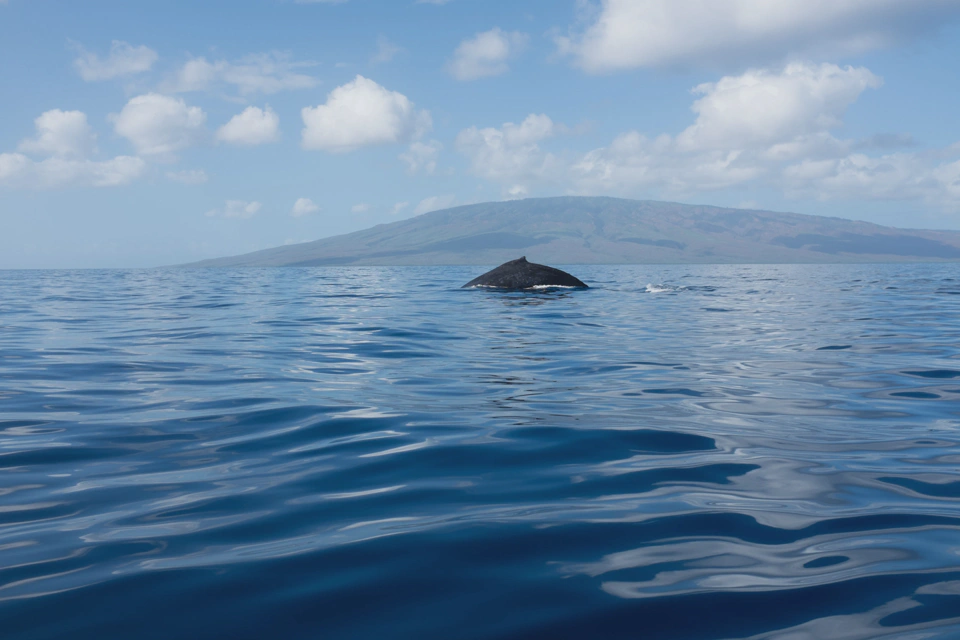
{"points": [[732, 452]]}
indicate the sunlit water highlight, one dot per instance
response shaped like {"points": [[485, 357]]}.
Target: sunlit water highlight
{"points": [[677, 452]]}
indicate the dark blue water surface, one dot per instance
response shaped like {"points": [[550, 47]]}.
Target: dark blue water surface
{"points": [[678, 452]]}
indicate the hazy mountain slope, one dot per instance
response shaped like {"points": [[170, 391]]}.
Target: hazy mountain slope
{"points": [[571, 230]]}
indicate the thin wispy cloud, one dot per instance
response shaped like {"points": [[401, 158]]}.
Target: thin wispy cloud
{"points": [[386, 51], [188, 176], [261, 73], [435, 203], [422, 157], [237, 209], [123, 60]]}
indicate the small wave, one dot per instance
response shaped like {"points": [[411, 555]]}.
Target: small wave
{"points": [[551, 286], [536, 287], [660, 288]]}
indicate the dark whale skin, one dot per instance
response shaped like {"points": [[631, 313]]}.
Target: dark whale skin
{"points": [[520, 274]]}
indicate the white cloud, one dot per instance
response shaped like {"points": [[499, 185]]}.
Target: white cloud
{"points": [[435, 203], [265, 73], [159, 125], [486, 54], [252, 126], [632, 163], [362, 113], [197, 75], [511, 155], [386, 51], [363, 207], [61, 133], [759, 129], [398, 207], [422, 156], [67, 139], [19, 171], [124, 60], [188, 176], [303, 207], [761, 108], [625, 34], [748, 128], [236, 209], [898, 176]]}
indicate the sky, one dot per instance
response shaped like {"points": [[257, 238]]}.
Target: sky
{"points": [[156, 132]]}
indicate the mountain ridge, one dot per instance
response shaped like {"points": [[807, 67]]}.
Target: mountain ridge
{"points": [[604, 230]]}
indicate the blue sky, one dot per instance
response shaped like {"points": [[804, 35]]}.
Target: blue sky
{"points": [[157, 132]]}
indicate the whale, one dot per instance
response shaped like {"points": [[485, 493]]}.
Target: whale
{"points": [[519, 274]]}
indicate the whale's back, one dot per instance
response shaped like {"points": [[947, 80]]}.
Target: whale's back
{"points": [[520, 274]]}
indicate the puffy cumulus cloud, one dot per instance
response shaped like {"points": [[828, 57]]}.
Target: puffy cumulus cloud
{"points": [[624, 34], [265, 73], [511, 154], [61, 133], [63, 142], [303, 207], [188, 176], [252, 126], [422, 156], [435, 203], [748, 128], [759, 129], [486, 54], [159, 125], [399, 207], [762, 108], [123, 60], [362, 113], [19, 171], [236, 209]]}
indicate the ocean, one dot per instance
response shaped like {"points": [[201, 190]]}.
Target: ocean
{"points": [[707, 451]]}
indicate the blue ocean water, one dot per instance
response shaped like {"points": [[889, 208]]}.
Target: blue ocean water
{"points": [[678, 452]]}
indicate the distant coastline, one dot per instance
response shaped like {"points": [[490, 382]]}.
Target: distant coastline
{"points": [[602, 230]]}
